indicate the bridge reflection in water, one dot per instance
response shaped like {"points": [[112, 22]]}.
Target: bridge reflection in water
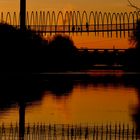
{"points": [[60, 131], [75, 21], [41, 131]]}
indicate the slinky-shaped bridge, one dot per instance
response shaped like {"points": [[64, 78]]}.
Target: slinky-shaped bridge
{"points": [[75, 21]]}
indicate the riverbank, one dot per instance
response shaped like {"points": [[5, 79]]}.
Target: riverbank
{"points": [[25, 52]]}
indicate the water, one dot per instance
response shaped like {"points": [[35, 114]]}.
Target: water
{"points": [[91, 97], [99, 99]]}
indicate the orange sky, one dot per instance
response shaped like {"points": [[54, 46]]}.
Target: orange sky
{"points": [[93, 41], [95, 5]]}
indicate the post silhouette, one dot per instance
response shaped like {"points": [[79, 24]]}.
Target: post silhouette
{"points": [[21, 104], [22, 14], [21, 119]]}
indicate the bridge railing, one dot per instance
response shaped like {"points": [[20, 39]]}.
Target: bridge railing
{"points": [[75, 21], [72, 18]]}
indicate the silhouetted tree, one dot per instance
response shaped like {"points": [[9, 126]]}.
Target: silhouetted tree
{"points": [[20, 51], [25, 52], [62, 52], [132, 55], [135, 38], [62, 43], [131, 4]]}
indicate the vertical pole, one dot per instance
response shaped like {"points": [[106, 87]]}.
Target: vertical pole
{"points": [[22, 14], [21, 120], [115, 130]]}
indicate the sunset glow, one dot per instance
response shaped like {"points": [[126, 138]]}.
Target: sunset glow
{"points": [[100, 5], [70, 62]]}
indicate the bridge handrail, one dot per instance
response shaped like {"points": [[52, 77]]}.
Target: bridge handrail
{"points": [[71, 18], [75, 21]]}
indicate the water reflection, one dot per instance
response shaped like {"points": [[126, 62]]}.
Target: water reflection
{"points": [[93, 95], [18, 92], [13, 91], [136, 111]]}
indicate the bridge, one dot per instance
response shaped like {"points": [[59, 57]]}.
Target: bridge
{"points": [[101, 50], [45, 22], [103, 58]]}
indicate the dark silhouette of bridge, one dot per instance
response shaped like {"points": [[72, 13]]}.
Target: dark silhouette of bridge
{"points": [[101, 50], [75, 21]]}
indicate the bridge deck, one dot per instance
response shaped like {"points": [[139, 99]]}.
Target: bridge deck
{"points": [[82, 28]]}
